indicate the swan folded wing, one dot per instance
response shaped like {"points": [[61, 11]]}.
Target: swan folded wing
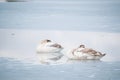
{"points": [[56, 45], [91, 51]]}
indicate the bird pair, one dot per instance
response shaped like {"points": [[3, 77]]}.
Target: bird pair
{"points": [[47, 46]]}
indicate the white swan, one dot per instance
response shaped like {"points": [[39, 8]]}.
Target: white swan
{"points": [[46, 46], [84, 53], [49, 52]]}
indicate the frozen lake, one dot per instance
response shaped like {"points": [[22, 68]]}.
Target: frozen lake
{"points": [[22, 43], [95, 23], [92, 70], [19, 60]]}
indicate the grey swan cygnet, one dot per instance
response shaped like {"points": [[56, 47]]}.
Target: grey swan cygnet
{"points": [[82, 53]]}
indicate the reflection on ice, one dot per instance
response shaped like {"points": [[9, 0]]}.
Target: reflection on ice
{"points": [[49, 57], [58, 58]]}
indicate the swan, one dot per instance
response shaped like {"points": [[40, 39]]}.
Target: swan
{"points": [[83, 53], [47, 46], [48, 51]]}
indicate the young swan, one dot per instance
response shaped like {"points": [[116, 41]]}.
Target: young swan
{"points": [[47, 46], [85, 53], [48, 51]]}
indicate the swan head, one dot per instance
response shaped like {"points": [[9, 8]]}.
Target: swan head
{"points": [[82, 46], [45, 41]]}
